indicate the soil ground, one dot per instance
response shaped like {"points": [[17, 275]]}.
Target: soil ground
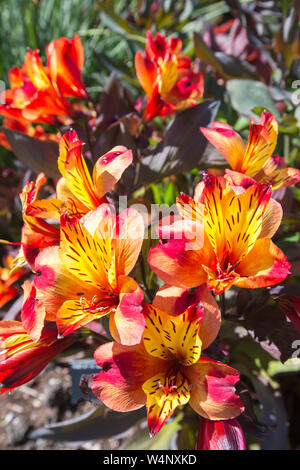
{"points": [[45, 400]]}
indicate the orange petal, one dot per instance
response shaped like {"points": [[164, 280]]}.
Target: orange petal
{"points": [[74, 314], [265, 265], [227, 141], [33, 312], [84, 256], [233, 220], [73, 167], [45, 208], [190, 209], [260, 145], [129, 239], [175, 300], [163, 400], [177, 266], [65, 61], [109, 168], [271, 219], [124, 370], [55, 283], [128, 322], [146, 72]]}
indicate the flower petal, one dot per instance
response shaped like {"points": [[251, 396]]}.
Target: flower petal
{"points": [[227, 141], [33, 312], [86, 257], [265, 265], [271, 219], [220, 435], [175, 265], [213, 393], [124, 370], [146, 72], [24, 359], [153, 339], [65, 61], [180, 335], [175, 300], [73, 167], [260, 145], [162, 399], [55, 284], [233, 221], [129, 239], [109, 168], [128, 322]]}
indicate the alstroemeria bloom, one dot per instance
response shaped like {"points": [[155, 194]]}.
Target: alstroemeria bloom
{"points": [[36, 232], [21, 359], [7, 279], [38, 92], [220, 435], [166, 370], [78, 191], [255, 159], [65, 59], [237, 223], [167, 76], [86, 277]]}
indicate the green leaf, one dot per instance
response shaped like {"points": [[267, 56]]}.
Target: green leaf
{"points": [[184, 147], [246, 95]]}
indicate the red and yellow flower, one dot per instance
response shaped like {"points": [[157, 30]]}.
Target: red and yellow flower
{"points": [[77, 191], [36, 232], [38, 93], [237, 223], [166, 369], [22, 359], [255, 159], [168, 77], [86, 276], [8, 276]]}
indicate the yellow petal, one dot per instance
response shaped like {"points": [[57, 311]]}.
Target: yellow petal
{"points": [[181, 336], [153, 340], [85, 256], [164, 394]]}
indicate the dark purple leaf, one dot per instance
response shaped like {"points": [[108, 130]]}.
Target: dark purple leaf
{"points": [[39, 155], [184, 146]]}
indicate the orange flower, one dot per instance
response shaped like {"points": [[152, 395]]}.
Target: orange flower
{"points": [[166, 369], [78, 192], [167, 76], [237, 223], [37, 92], [21, 359], [36, 232], [86, 277], [8, 277], [65, 62], [256, 159]]}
